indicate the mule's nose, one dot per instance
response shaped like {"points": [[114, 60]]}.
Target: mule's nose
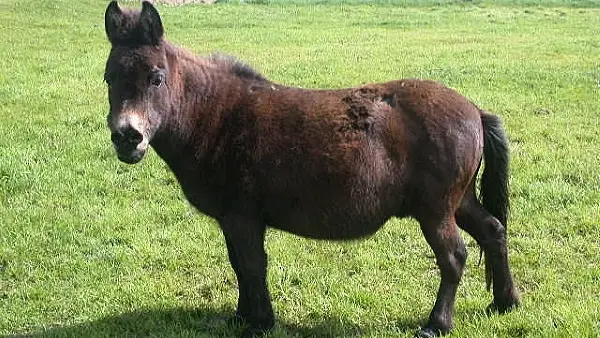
{"points": [[127, 136]]}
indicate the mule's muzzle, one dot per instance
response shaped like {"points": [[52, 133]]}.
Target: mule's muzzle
{"points": [[129, 144]]}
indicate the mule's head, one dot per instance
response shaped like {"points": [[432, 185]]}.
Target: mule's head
{"points": [[137, 76]]}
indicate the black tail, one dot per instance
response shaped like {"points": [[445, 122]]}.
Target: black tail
{"points": [[494, 180]]}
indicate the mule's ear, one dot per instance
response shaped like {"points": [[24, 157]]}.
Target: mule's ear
{"points": [[112, 20], [151, 25]]}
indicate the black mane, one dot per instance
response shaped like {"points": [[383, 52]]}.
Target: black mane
{"points": [[237, 67]]}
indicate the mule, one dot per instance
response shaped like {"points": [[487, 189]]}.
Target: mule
{"points": [[325, 164]]}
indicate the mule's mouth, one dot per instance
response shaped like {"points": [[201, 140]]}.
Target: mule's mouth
{"points": [[129, 153], [131, 157]]}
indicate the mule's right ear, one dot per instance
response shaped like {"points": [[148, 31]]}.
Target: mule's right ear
{"points": [[113, 18]]}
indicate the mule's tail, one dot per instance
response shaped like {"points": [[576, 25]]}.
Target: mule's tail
{"points": [[494, 179]]}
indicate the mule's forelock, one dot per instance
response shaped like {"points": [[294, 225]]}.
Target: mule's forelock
{"points": [[133, 27]]}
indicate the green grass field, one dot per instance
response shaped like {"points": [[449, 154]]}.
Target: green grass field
{"points": [[91, 247]]}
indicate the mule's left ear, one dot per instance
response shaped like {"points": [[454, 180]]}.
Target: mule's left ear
{"points": [[150, 22]]}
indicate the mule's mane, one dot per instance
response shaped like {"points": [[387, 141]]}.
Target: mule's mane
{"points": [[224, 62], [237, 67]]}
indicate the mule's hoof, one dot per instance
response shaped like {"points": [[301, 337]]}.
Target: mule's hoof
{"points": [[427, 333], [236, 320], [502, 307], [253, 332]]}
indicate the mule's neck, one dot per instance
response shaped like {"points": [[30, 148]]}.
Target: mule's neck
{"points": [[204, 94]]}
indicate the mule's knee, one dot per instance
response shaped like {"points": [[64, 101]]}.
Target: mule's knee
{"points": [[457, 260]]}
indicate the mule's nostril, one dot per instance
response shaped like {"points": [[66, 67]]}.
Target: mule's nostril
{"points": [[116, 137], [133, 136], [127, 136]]}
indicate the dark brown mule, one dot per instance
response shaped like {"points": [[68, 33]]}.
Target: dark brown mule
{"points": [[330, 164]]}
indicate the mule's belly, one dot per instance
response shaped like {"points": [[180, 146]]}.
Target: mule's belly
{"points": [[330, 225], [344, 192], [325, 211]]}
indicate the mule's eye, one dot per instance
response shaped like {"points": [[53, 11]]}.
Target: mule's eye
{"points": [[157, 78]]}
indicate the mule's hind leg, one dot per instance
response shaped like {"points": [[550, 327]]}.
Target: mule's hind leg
{"points": [[245, 245], [490, 234], [450, 252]]}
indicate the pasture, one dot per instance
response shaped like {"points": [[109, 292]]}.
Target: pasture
{"points": [[92, 247]]}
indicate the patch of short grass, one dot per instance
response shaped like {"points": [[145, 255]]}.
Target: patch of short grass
{"points": [[90, 247]]}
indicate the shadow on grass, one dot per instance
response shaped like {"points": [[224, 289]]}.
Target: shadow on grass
{"points": [[185, 322]]}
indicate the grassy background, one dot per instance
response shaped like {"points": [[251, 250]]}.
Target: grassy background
{"points": [[90, 247], [419, 3]]}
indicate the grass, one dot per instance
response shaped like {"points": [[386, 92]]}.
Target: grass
{"points": [[421, 3], [90, 247]]}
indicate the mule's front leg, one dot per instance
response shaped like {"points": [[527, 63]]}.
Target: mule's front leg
{"points": [[451, 254], [244, 236]]}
